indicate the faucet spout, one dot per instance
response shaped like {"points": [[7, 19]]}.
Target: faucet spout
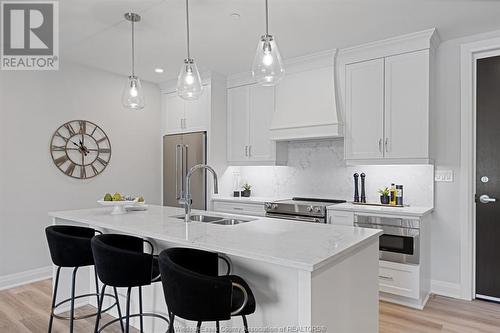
{"points": [[187, 196]]}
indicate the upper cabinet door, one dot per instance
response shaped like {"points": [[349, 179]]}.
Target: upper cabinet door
{"points": [[197, 112], [173, 113], [237, 123], [261, 147], [364, 108], [407, 105]]}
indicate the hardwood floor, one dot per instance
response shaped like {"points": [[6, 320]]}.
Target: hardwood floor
{"points": [[25, 309]]}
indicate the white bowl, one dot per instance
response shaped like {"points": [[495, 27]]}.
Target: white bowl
{"points": [[118, 206]]}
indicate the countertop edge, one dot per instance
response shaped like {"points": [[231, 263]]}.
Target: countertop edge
{"points": [[401, 211]]}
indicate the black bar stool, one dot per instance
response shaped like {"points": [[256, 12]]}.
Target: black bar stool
{"points": [[121, 262], [70, 247], [194, 291]]}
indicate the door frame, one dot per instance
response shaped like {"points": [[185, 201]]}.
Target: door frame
{"points": [[469, 54]]}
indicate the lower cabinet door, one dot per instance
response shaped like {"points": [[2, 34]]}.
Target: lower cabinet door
{"points": [[399, 279], [254, 209]]}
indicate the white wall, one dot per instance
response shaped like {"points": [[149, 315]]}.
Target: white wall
{"points": [[318, 169], [32, 106]]}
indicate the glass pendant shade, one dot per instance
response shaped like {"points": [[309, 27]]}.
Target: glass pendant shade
{"points": [[267, 68], [189, 86], [133, 95]]}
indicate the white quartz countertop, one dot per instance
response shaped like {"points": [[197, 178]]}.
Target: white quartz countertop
{"points": [[415, 211], [256, 200], [301, 245]]}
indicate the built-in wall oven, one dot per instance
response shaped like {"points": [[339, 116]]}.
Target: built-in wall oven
{"points": [[400, 241]]}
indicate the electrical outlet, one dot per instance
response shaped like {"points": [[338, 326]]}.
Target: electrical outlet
{"points": [[444, 176]]}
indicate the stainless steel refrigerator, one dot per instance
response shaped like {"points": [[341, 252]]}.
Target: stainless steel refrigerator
{"points": [[180, 153]]}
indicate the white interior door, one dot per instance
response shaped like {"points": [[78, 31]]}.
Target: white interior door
{"points": [[364, 103], [407, 105], [173, 109], [261, 148], [237, 124]]}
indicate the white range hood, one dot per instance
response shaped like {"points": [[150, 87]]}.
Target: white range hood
{"points": [[306, 100]]}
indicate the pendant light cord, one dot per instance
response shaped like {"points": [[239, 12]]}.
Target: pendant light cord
{"points": [[133, 50], [187, 29], [267, 19]]}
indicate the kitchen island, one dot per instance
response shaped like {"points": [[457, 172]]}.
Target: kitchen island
{"points": [[305, 276]]}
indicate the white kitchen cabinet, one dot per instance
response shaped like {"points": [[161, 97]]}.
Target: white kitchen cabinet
{"points": [[250, 110], [364, 110], [181, 116], [387, 99], [240, 208], [339, 217], [407, 105]]}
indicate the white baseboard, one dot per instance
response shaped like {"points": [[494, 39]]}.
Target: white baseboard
{"points": [[18, 279], [447, 289]]}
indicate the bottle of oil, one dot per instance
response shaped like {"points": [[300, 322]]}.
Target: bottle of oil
{"points": [[392, 195]]}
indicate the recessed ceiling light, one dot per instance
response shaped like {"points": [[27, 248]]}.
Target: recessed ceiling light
{"points": [[159, 70], [235, 16]]}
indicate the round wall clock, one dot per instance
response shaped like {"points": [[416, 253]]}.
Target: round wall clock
{"points": [[80, 149]]}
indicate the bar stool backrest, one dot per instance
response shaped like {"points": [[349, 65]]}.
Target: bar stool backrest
{"points": [[69, 246], [192, 289], [120, 260]]}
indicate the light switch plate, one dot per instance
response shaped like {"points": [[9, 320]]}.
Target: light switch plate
{"points": [[444, 176]]}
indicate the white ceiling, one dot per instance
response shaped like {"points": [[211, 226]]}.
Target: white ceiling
{"points": [[94, 32]]}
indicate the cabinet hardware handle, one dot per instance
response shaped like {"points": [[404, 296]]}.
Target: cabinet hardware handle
{"points": [[386, 145], [249, 151], [246, 151], [380, 145], [388, 278], [237, 208]]}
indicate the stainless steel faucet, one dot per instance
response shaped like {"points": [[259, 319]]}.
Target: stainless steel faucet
{"points": [[187, 196]]}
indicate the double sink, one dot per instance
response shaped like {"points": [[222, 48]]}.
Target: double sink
{"points": [[215, 219]]}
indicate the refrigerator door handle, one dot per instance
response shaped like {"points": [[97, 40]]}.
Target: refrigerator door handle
{"points": [[186, 147], [177, 160]]}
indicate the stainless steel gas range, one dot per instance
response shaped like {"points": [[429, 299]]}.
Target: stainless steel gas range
{"points": [[300, 209]]}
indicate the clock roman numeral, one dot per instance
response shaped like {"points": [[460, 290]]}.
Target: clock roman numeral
{"points": [[83, 127], [61, 136], [83, 172], [61, 160], [104, 150], [94, 170], [103, 162], [58, 148], [70, 129], [70, 169], [101, 139]]}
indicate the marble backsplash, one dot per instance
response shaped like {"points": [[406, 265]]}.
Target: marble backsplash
{"points": [[318, 169]]}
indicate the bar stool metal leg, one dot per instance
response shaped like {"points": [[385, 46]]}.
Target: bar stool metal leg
{"points": [[119, 309], [245, 323], [54, 296], [140, 309], [171, 318], [217, 325], [72, 311], [96, 287], [198, 327], [127, 319], [99, 308]]}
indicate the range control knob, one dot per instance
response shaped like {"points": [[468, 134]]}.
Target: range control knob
{"points": [[309, 208], [268, 205], [317, 209], [274, 206]]}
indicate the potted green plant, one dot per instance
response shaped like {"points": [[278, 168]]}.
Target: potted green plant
{"points": [[246, 190], [384, 195]]}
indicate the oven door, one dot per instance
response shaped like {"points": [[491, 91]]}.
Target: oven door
{"points": [[398, 243], [296, 218]]}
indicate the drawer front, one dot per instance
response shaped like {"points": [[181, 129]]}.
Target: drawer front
{"points": [[240, 208], [340, 217], [399, 279]]}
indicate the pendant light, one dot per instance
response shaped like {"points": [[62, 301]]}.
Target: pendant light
{"points": [[189, 85], [133, 95], [267, 67]]}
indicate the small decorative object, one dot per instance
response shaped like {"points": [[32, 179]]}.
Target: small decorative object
{"points": [[80, 149], [236, 194], [384, 195], [246, 190]]}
